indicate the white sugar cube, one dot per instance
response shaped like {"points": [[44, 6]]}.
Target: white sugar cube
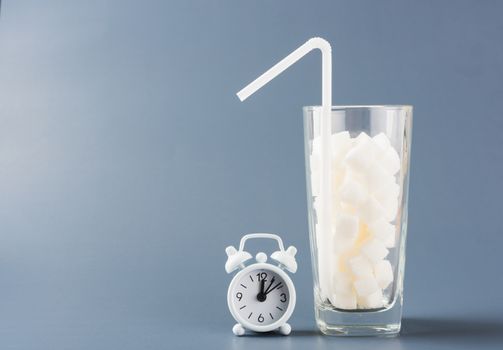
{"points": [[346, 229], [383, 231], [346, 226], [342, 282], [377, 177], [371, 210], [338, 176], [350, 174], [336, 208], [360, 266], [361, 155], [341, 143], [383, 273], [371, 301], [352, 191], [347, 208], [390, 206], [340, 139], [391, 190], [344, 301], [374, 250], [390, 160], [382, 141], [388, 198], [342, 244], [362, 138], [366, 286]]}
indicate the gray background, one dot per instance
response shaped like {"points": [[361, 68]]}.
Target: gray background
{"points": [[127, 164]]}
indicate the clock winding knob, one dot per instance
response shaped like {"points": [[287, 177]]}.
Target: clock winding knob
{"points": [[261, 257]]}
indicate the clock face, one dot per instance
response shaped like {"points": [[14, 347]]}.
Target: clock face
{"points": [[261, 297]]}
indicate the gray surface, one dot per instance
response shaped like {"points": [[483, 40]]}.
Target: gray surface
{"points": [[127, 164]]}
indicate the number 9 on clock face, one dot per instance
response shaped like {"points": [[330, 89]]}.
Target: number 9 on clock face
{"points": [[260, 298]]}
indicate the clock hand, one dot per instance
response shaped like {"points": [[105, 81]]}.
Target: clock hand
{"points": [[261, 296], [270, 284], [273, 288]]}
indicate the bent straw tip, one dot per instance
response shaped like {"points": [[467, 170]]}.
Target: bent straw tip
{"points": [[320, 43]]}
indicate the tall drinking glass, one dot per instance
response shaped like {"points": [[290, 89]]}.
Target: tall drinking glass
{"points": [[358, 265]]}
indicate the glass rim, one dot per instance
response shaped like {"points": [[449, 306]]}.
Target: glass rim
{"points": [[348, 107]]}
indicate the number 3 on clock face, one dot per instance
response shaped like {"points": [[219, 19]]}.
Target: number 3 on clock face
{"points": [[261, 297]]}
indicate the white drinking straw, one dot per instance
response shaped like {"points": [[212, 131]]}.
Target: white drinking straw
{"points": [[326, 130]]}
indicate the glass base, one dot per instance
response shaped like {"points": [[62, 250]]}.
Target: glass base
{"points": [[383, 322]]}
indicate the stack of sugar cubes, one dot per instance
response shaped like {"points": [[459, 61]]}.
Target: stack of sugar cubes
{"points": [[365, 198]]}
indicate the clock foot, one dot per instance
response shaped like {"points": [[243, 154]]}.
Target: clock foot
{"points": [[238, 329], [285, 329]]}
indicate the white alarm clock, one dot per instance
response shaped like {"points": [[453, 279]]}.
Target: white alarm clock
{"points": [[261, 297]]}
